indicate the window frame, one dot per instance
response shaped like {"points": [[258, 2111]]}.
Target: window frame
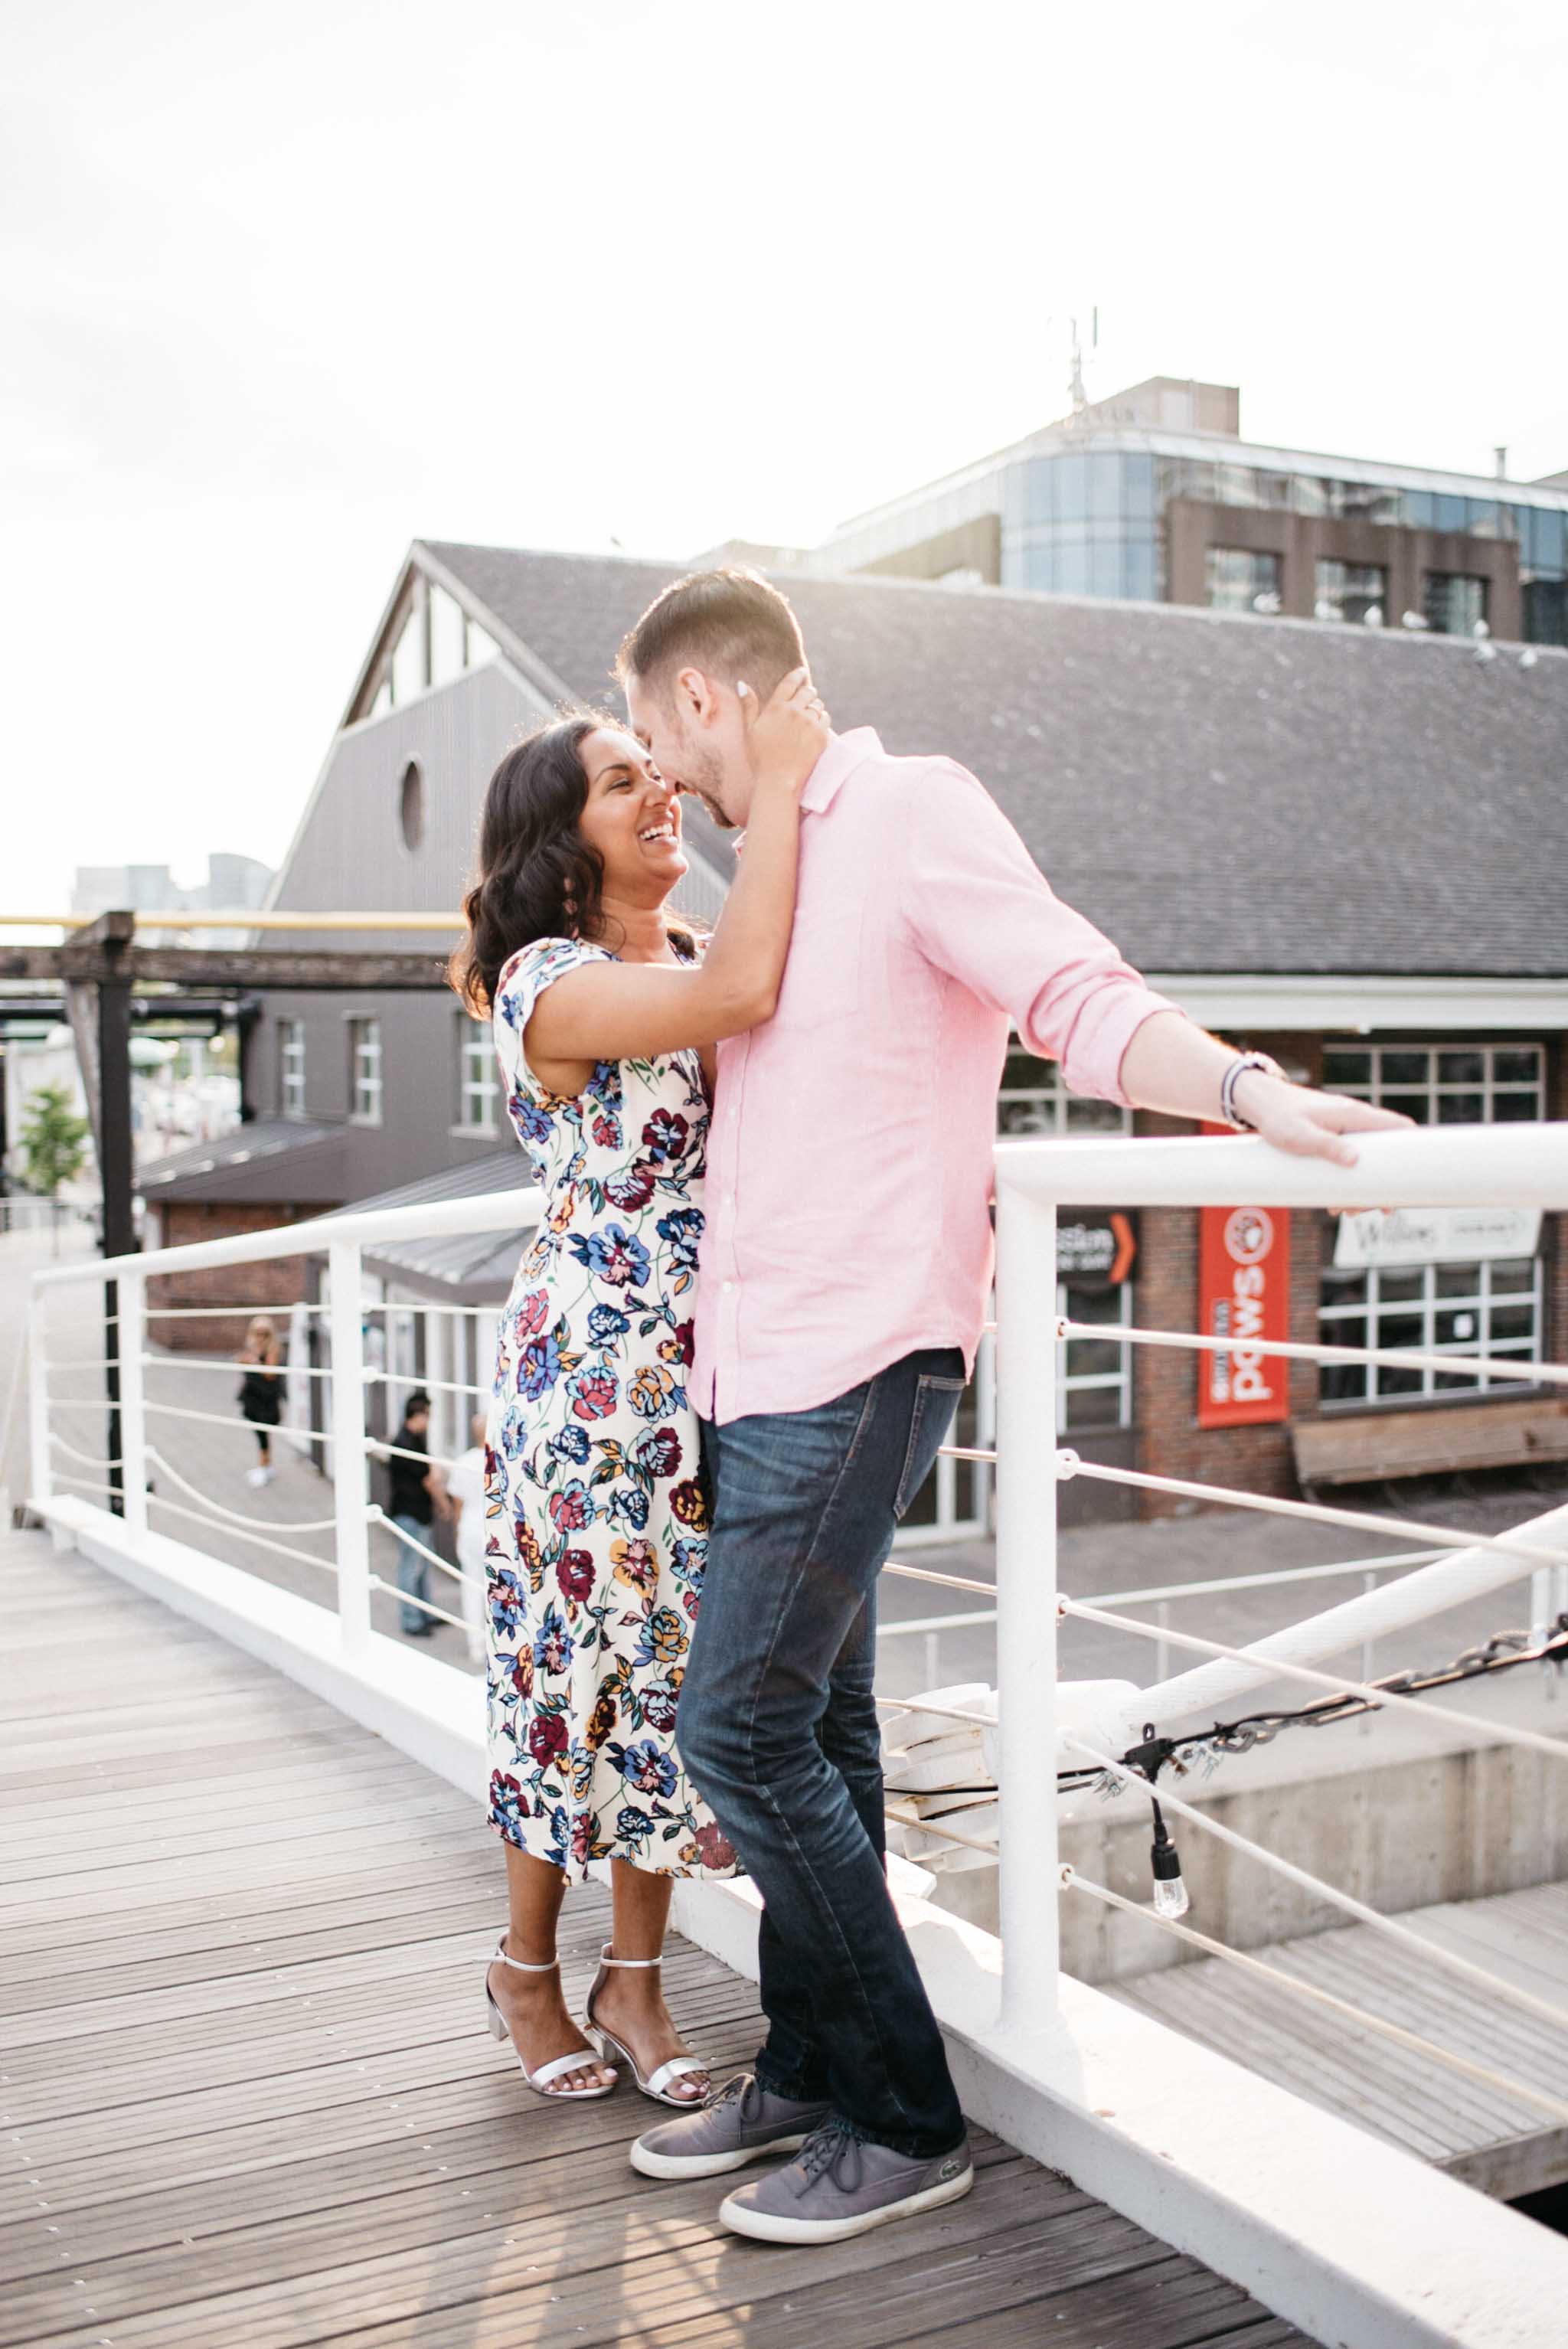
{"points": [[1053, 1096], [365, 1036], [1365, 1317], [291, 1067], [474, 1038], [1375, 1308]]}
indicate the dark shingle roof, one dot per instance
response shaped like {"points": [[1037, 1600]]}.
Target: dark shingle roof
{"points": [[1219, 794], [462, 1268], [293, 1158]]}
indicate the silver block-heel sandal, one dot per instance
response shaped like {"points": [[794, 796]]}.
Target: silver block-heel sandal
{"points": [[581, 2058], [657, 2082]]}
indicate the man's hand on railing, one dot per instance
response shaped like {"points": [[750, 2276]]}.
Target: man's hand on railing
{"points": [[1309, 1124]]}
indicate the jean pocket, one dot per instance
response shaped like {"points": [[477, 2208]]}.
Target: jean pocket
{"points": [[935, 1402]]}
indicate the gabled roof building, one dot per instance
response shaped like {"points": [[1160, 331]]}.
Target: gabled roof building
{"points": [[1349, 844]]}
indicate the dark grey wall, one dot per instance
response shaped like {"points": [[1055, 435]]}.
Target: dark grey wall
{"points": [[417, 1135]]}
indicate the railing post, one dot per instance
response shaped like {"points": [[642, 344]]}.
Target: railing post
{"points": [[131, 1345], [350, 1468], [1026, 1605], [41, 1481]]}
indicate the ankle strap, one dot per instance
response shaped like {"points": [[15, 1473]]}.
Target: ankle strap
{"points": [[607, 1959], [520, 1965]]}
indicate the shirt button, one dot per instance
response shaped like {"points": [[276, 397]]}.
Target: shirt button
{"points": [[727, 1287]]}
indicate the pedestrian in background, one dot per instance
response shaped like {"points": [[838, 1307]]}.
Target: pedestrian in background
{"points": [[466, 1495], [418, 1496], [262, 1390]]}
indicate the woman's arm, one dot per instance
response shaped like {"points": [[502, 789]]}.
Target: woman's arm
{"points": [[614, 1012]]}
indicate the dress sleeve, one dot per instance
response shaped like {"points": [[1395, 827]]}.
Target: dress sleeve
{"points": [[522, 983]]}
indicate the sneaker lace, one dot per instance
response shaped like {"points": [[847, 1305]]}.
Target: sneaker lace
{"points": [[821, 2151]]}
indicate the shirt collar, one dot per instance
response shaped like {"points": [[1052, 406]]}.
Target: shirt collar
{"points": [[843, 754]]}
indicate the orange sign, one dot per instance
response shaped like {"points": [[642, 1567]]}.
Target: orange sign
{"points": [[1243, 1296]]}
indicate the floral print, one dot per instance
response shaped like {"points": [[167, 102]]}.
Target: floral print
{"points": [[597, 1514]]}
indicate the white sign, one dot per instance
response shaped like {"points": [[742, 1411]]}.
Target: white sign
{"points": [[1383, 1237]]}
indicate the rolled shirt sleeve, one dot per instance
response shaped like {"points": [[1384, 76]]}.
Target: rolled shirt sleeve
{"points": [[981, 909]]}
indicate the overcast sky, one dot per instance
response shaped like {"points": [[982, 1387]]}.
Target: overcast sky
{"points": [[287, 285]]}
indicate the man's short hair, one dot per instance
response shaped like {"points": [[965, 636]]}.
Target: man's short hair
{"points": [[729, 624]]}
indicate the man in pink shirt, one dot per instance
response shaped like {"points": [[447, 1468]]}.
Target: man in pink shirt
{"points": [[844, 1271]]}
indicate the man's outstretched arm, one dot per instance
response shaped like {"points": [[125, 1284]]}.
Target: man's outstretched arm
{"points": [[1172, 1064], [982, 909]]}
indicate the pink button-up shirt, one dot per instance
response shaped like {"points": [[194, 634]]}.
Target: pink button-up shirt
{"points": [[848, 1164]]}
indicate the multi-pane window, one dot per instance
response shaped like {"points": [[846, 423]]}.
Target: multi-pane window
{"points": [[1443, 1084], [1094, 1375], [1241, 579], [1034, 1100], [365, 1070], [1455, 603], [478, 1086], [1444, 1308], [1482, 1309], [291, 1067], [1348, 591]]}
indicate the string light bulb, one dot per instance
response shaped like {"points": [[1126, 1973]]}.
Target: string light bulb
{"points": [[1170, 1892]]}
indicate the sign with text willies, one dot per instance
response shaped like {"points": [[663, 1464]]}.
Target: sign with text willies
{"points": [[1243, 1296], [1092, 1247], [1381, 1236]]}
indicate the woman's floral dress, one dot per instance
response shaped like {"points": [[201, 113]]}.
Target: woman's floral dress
{"points": [[596, 1517]]}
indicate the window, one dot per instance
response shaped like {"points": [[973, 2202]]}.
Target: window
{"points": [[1094, 1375], [1454, 603], [478, 647], [1034, 1100], [446, 635], [1443, 1084], [1349, 591], [1461, 1308], [411, 805], [410, 669], [365, 1070], [1456, 1309], [478, 1083], [291, 1067], [1241, 579]]}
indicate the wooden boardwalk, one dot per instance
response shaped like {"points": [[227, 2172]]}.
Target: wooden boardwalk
{"points": [[1497, 2142], [249, 2100]]}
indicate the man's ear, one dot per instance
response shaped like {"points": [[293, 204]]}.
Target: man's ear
{"points": [[695, 696]]}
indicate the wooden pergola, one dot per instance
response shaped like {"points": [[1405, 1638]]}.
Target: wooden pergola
{"points": [[96, 971]]}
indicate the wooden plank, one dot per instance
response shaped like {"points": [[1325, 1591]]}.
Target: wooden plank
{"points": [[250, 2098]]}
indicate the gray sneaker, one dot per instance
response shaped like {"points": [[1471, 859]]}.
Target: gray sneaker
{"points": [[744, 2122], [837, 2185]]}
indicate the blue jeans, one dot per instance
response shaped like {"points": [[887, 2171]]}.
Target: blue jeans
{"points": [[779, 1731], [413, 1572]]}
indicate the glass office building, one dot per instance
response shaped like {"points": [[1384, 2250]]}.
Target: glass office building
{"points": [[1081, 510]]}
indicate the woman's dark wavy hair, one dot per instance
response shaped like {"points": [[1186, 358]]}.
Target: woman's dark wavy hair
{"points": [[538, 877]]}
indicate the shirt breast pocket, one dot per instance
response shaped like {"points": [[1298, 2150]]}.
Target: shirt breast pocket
{"points": [[824, 980]]}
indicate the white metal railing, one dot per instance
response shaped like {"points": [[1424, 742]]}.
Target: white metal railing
{"points": [[1519, 1165]]}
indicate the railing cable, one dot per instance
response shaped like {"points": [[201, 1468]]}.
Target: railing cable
{"points": [[234, 1516], [1300, 1877], [1491, 1367], [1070, 1880]]}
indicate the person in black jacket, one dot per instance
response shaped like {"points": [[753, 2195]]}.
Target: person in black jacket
{"points": [[261, 1394], [418, 1498]]}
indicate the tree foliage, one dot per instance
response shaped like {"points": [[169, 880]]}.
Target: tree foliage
{"points": [[54, 1140]]}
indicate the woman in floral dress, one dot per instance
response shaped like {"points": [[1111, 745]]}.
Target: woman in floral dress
{"points": [[595, 1518]]}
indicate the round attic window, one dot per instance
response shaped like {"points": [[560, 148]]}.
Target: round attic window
{"points": [[411, 805]]}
